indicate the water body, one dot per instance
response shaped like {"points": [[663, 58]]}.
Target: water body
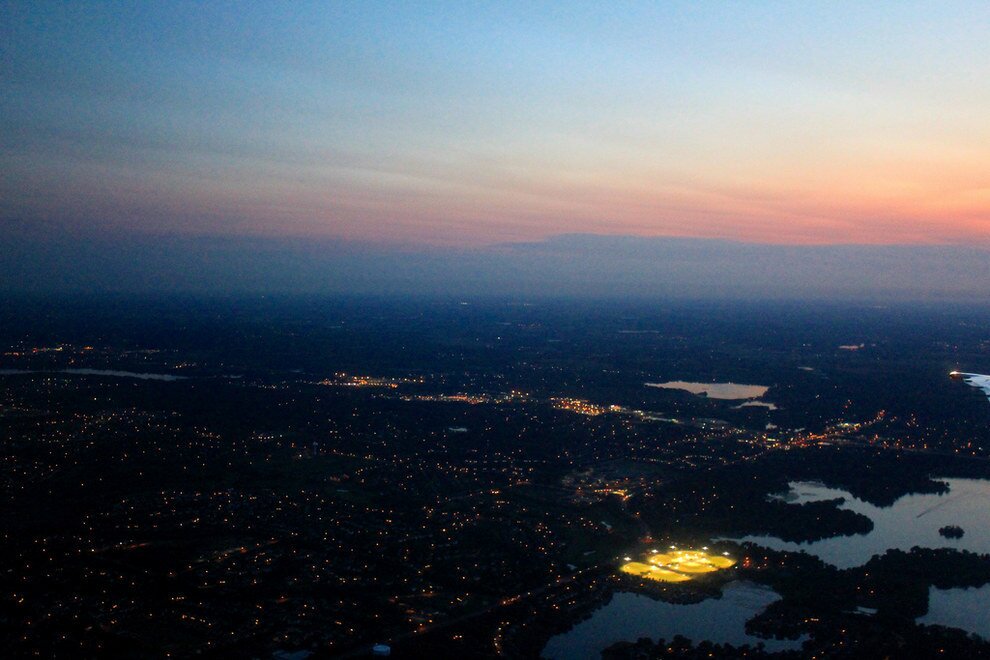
{"points": [[960, 608], [913, 520], [715, 390], [629, 616], [95, 372], [755, 404]]}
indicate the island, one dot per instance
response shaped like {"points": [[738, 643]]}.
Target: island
{"points": [[951, 531]]}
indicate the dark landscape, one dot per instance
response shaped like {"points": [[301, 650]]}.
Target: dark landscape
{"points": [[456, 329], [463, 478]]}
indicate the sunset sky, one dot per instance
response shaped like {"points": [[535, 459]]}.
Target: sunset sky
{"points": [[468, 124]]}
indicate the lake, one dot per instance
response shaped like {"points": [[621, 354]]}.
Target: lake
{"points": [[755, 404], [629, 616], [960, 608], [913, 520], [728, 391], [95, 372]]}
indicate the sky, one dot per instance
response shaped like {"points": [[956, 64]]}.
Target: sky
{"points": [[427, 130]]}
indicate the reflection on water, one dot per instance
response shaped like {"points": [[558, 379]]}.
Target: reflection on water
{"points": [[715, 390], [912, 520], [95, 372], [960, 608], [629, 616]]}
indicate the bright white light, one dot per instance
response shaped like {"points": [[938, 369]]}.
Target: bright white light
{"points": [[627, 558]]}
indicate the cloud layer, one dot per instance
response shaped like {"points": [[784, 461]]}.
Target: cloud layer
{"points": [[571, 265]]}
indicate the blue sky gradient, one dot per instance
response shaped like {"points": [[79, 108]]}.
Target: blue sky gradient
{"points": [[466, 125]]}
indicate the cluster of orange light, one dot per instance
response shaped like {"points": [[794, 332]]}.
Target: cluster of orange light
{"points": [[579, 406]]}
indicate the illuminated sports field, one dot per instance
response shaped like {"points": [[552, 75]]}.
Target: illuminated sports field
{"points": [[677, 565], [639, 569]]}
